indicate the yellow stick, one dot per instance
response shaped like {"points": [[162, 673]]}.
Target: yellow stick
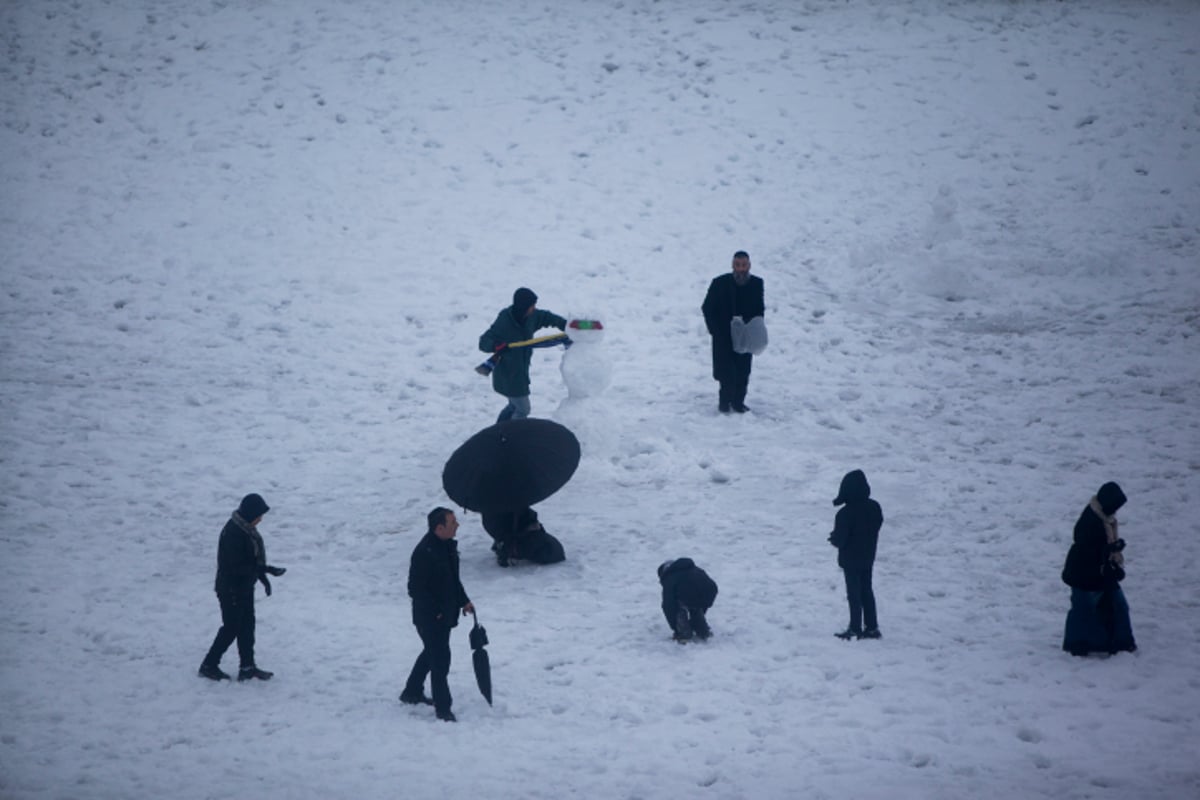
{"points": [[537, 340]]}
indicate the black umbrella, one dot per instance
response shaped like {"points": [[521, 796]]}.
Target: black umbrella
{"points": [[511, 465], [480, 659]]}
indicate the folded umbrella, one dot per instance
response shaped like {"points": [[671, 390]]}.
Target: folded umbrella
{"points": [[480, 659]]}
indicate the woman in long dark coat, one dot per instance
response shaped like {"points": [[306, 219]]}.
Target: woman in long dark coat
{"points": [[1098, 621]]}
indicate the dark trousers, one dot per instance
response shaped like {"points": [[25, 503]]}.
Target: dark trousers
{"points": [[862, 599], [237, 622], [690, 621], [433, 661], [735, 378]]}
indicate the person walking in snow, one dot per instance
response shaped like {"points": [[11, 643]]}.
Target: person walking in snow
{"points": [[437, 598], [687, 594], [856, 536], [516, 323], [1099, 617], [735, 294], [241, 562]]}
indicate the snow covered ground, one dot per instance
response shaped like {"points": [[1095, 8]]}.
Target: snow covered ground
{"points": [[251, 246]]}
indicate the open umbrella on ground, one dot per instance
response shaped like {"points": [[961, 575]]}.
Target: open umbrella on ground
{"points": [[511, 465], [480, 659]]}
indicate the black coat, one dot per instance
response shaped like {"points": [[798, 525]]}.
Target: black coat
{"points": [[1084, 568], [856, 527], [724, 300], [433, 583], [240, 558], [683, 583]]}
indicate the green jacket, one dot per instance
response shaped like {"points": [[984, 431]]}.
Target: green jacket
{"points": [[511, 375]]}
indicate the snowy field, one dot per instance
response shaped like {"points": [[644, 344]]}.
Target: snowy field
{"points": [[250, 246]]}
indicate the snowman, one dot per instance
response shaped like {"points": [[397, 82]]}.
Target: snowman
{"points": [[586, 371]]}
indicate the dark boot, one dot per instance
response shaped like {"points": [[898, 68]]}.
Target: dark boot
{"points": [[212, 672], [415, 699], [251, 672], [723, 399], [446, 715]]}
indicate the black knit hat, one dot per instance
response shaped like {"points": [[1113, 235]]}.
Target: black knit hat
{"points": [[252, 507], [1111, 498], [523, 300]]}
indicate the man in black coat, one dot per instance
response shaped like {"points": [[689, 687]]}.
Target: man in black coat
{"points": [[437, 598], [737, 293], [856, 536], [241, 562], [687, 594]]}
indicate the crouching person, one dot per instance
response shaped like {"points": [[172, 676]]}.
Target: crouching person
{"points": [[520, 536], [687, 594]]}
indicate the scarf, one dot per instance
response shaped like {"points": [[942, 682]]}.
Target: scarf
{"points": [[260, 549], [1110, 530]]}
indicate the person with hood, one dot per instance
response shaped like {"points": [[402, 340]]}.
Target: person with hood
{"points": [[740, 294], [241, 562], [519, 535], [687, 594], [437, 598], [518, 322], [1099, 617], [856, 536]]}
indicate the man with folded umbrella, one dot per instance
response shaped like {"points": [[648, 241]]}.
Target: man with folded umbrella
{"points": [[516, 323], [438, 597]]}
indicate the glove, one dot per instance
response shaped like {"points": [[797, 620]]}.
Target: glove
{"points": [[276, 571], [1117, 546], [266, 583]]}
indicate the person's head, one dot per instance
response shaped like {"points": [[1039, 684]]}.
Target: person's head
{"points": [[854, 488], [1111, 498], [252, 508], [524, 302], [442, 523], [741, 266]]}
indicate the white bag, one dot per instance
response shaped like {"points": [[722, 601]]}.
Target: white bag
{"points": [[748, 337]]}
